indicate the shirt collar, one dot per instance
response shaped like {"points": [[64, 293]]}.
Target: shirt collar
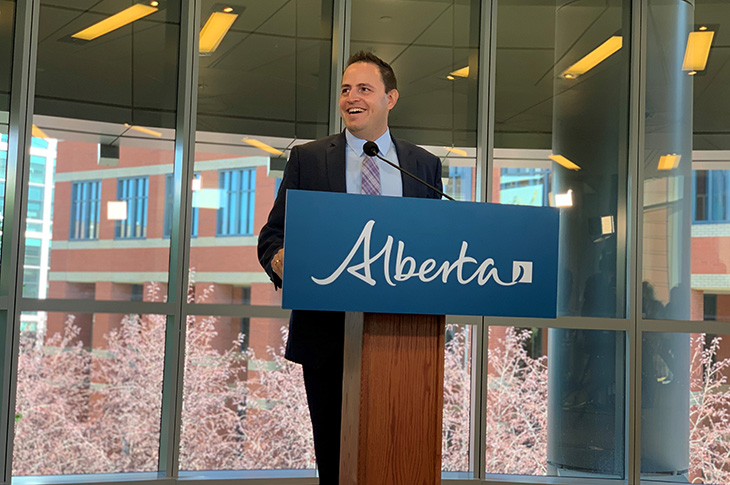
{"points": [[356, 143]]}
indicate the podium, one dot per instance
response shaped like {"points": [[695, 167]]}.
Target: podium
{"points": [[396, 266], [392, 399]]}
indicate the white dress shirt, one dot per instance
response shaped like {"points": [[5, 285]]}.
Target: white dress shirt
{"points": [[391, 182]]}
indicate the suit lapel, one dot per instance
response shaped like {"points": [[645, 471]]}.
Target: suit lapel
{"points": [[335, 164], [407, 162]]}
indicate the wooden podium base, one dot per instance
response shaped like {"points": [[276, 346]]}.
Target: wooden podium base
{"points": [[392, 399]]}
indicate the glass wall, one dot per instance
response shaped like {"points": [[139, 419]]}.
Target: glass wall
{"points": [[263, 89], [103, 131], [89, 395], [141, 334], [561, 130], [684, 234], [433, 47]]}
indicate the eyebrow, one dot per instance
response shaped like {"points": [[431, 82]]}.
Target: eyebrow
{"points": [[360, 84]]}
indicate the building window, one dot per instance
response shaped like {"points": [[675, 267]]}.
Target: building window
{"points": [[135, 192], [85, 203], [524, 186], [237, 189], [710, 188], [169, 194], [460, 183]]}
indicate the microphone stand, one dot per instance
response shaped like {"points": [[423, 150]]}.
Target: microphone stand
{"points": [[371, 149]]}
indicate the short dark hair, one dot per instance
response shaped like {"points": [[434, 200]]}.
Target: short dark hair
{"points": [[386, 72]]}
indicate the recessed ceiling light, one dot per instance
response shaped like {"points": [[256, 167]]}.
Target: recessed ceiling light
{"points": [[263, 146], [669, 162], [561, 160], [692, 73], [703, 28], [594, 58], [463, 72], [450, 77], [228, 9], [113, 22], [215, 28], [698, 50], [155, 3]]}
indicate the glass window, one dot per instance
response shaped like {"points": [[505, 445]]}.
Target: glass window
{"points": [[91, 383], [686, 164], [85, 209], [262, 90], [35, 202], [238, 191], [103, 142], [33, 252], [457, 403], [434, 53], [133, 193], [37, 169], [265, 88], [710, 195], [684, 249], [537, 426], [561, 129], [31, 287], [245, 407]]}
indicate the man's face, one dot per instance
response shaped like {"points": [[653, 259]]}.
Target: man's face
{"points": [[364, 104]]}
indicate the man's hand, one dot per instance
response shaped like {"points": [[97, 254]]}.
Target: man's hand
{"points": [[277, 263]]}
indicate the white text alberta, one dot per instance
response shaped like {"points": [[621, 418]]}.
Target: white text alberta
{"points": [[407, 267]]}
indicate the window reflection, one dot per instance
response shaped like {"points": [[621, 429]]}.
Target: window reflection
{"points": [[90, 384], [103, 143], [434, 54], [561, 126], [244, 405]]}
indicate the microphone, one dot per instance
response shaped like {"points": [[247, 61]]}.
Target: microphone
{"points": [[371, 149]]}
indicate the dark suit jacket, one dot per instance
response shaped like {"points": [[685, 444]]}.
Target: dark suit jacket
{"points": [[315, 337]]}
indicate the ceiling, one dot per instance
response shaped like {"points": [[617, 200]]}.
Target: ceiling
{"points": [[268, 77]]}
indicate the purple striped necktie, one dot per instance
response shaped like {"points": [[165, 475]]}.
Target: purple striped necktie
{"points": [[370, 177]]}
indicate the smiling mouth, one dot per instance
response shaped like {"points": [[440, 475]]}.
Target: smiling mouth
{"points": [[353, 111]]}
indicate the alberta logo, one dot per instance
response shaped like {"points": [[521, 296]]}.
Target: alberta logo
{"points": [[402, 268]]}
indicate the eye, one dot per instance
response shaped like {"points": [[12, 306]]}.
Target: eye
{"points": [[345, 90]]}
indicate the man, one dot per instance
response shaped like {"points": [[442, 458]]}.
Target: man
{"points": [[338, 164]]}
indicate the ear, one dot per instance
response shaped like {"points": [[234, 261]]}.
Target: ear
{"points": [[392, 96]]}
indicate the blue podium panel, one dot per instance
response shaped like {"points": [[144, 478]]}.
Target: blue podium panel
{"points": [[365, 253]]}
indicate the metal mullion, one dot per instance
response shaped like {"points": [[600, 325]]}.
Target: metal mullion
{"points": [[578, 323], [136, 478], [185, 126], [683, 326], [229, 310], [94, 306], [16, 203], [341, 17], [478, 400], [636, 144], [484, 168], [503, 479], [486, 92]]}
